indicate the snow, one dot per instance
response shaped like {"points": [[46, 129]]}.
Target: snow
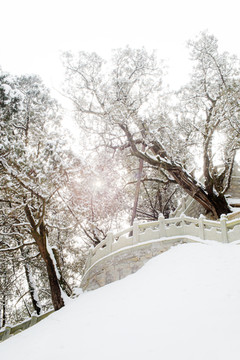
{"points": [[183, 304], [233, 201]]}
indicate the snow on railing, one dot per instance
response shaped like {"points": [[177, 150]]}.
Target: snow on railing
{"points": [[13, 330], [223, 231]]}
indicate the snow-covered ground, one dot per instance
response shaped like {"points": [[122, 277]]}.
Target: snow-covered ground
{"points": [[183, 304]]}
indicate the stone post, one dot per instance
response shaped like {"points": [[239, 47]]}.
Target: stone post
{"points": [[182, 217], [183, 204], [162, 228], [135, 232], [7, 333], [33, 320], [109, 241], [223, 223], [201, 227], [89, 260]]}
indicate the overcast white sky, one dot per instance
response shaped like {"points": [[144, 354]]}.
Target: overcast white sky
{"points": [[33, 32]]}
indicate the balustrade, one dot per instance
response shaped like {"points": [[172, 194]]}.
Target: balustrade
{"points": [[182, 227]]}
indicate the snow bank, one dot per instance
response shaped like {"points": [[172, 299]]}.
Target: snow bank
{"points": [[183, 304]]}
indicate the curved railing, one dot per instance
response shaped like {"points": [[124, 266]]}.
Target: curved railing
{"points": [[181, 227]]}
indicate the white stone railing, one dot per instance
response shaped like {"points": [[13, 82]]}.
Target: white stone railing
{"points": [[9, 331], [182, 227], [185, 203]]}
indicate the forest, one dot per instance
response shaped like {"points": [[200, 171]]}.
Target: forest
{"points": [[141, 147]]}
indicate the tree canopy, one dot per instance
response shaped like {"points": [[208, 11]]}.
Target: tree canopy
{"points": [[125, 106]]}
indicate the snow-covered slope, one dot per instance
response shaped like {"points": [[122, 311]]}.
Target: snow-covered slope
{"points": [[183, 304]]}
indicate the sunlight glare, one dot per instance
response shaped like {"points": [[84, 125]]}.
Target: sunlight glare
{"points": [[98, 184]]}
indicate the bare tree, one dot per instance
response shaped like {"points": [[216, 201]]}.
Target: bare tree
{"points": [[126, 107]]}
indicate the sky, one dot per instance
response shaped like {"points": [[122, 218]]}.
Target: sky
{"points": [[182, 304], [34, 33]]}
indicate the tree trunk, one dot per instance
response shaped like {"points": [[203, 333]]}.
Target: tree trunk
{"points": [[31, 285], [216, 204], [137, 190], [57, 299], [3, 311], [41, 239], [32, 290], [3, 318], [64, 285], [220, 204]]}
